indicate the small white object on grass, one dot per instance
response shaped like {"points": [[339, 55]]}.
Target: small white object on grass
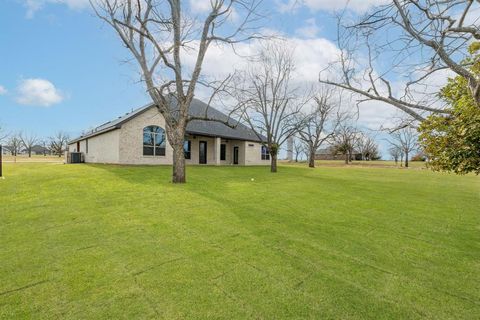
{"points": [[252, 179]]}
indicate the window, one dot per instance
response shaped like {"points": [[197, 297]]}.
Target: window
{"points": [[86, 145], [187, 149], [153, 141], [223, 151], [265, 153]]}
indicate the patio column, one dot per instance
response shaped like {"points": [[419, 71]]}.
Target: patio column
{"points": [[218, 141]]}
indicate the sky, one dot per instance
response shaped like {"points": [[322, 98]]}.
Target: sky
{"points": [[63, 69]]}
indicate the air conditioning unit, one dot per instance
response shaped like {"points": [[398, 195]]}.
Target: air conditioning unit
{"points": [[75, 157]]}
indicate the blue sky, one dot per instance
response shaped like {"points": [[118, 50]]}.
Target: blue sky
{"points": [[63, 69]]}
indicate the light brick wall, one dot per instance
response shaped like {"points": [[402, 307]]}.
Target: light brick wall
{"points": [[131, 137], [253, 151], [125, 146], [101, 149]]}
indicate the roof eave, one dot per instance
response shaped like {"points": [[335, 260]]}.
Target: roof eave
{"points": [[222, 136], [94, 134]]}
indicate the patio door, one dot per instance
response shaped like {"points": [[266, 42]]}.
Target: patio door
{"points": [[202, 152], [235, 155]]}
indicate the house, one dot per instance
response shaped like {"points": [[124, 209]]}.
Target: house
{"points": [[139, 137], [40, 150], [5, 150], [330, 154]]}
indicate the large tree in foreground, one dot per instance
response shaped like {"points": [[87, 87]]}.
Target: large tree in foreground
{"points": [[452, 143], [158, 33], [396, 53], [268, 100]]}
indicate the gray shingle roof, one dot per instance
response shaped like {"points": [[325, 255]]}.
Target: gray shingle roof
{"points": [[198, 127]]}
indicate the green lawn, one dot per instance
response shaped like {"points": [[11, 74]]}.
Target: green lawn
{"points": [[104, 242]]}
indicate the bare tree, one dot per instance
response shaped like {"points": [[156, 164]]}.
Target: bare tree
{"points": [[157, 34], [406, 140], [419, 39], [367, 146], [14, 143], [45, 146], [395, 152], [28, 141], [3, 134], [269, 103], [299, 148], [320, 124], [345, 139], [58, 143]]}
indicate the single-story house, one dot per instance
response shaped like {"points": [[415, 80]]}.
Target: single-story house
{"points": [[139, 137], [40, 150], [330, 154]]}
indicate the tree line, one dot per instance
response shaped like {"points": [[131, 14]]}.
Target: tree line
{"points": [[16, 143], [419, 40]]}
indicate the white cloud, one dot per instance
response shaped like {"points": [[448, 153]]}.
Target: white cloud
{"points": [[3, 90], [34, 5], [358, 6], [38, 92], [309, 30], [311, 56], [200, 6]]}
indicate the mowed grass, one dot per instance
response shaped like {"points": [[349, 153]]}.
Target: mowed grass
{"points": [[105, 242]]}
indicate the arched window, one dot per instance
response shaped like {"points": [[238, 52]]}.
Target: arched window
{"points": [[153, 141]]}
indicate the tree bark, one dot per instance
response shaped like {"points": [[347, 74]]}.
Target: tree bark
{"points": [[406, 159], [311, 159], [346, 158], [273, 163], [178, 174]]}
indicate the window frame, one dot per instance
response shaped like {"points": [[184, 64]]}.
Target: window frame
{"points": [[223, 152], [188, 153], [158, 148], [265, 154]]}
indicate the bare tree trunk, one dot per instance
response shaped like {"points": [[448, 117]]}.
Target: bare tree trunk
{"points": [[178, 174], [311, 159], [406, 159], [29, 153], [346, 158], [273, 163]]}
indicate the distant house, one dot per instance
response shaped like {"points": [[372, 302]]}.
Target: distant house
{"points": [[6, 150], [40, 150], [330, 154], [139, 137]]}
